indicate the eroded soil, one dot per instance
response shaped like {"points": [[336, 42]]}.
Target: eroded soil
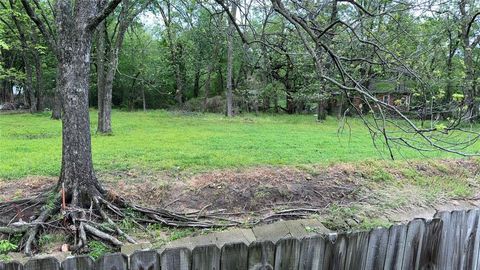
{"points": [[371, 189]]}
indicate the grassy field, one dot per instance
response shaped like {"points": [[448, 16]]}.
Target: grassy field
{"points": [[160, 140]]}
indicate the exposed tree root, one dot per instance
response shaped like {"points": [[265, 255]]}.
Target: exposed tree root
{"points": [[98, 218], [98, 221]]}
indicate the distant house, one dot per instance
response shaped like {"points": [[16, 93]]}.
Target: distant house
{"points": [[390, 92], [398, 94]]}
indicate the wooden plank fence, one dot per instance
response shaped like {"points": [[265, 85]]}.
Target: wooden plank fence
{"points": [[449, 241]]}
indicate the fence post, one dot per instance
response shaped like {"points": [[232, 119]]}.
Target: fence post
{"points": [[339, 251], [287, 254], [329, 250], [234, 257], [377, 248], [176, 259], [431, 244], [395, 247], [141, 260], [41, 264], [356, 255], [78, 263], [413, 244], [11, 266], [115, 261], [470, 258], [206, 258], [261, 255], [312, 252]]}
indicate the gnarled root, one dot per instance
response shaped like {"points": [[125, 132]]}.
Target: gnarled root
{"points": [[85, 222]]}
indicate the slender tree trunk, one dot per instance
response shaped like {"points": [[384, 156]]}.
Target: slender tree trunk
{"points": [[57, 101], [29, 91], [101, 37], [230, 41], [105, 111], [39, 91], [176, 55], [8, 60], [196, 83], [144, 100], [452, 48], [37, 58], [32, 100], [208, 84]]}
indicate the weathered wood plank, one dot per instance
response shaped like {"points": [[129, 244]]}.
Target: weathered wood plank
{"points": [[206, 258], [377, 248], [42, 264], [329, 249], [469, 258], [339, 251], [356, 255], [234, 257], [11, 266], [312, 252], [261, 255], [115, 261], [176, 259], [446, 237], [431, 244], [145, 260], [457, 240], [475, 262], [287, 254], [395, 247], [413, 244], [78, 263]]}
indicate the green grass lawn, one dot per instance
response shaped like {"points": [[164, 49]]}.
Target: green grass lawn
{"points": [[160, 140]]}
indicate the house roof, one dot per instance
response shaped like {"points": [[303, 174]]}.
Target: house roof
{"points": [[390, 87]]}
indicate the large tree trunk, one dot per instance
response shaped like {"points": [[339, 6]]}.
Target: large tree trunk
{"points": [[77, 174], [230, 41]]}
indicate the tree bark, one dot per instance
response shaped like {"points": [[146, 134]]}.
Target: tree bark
{"points": [[230, 44], [106, 77], [72, 47], [196, 83], [103, 122], [39, 91], [75, 43], [208, 85], [143, 100], [57, 99]]}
